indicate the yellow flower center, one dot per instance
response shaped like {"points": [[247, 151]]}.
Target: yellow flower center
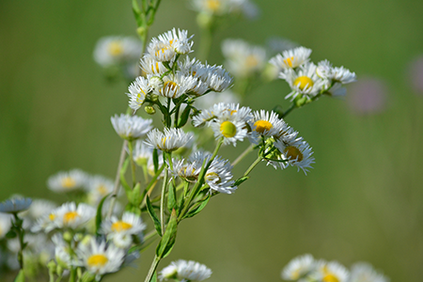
{"points": [[68, 182], [213, 176], [51, 216], [262, 126], [102, 189], [228, 129], [115, 48], [330, 278], [251, 61], [170, 86], [288, 61], [97, 260], [70, 216], [120, 226], [293, 153], [213, 5], [161, 50], [303, 82]]}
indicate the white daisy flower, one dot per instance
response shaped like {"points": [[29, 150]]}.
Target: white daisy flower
{"points": [[114, 50], [45, 222], [71, 216], [330, 271], [15, 205], [298, 267], [291, 59], [65, 181], [364, 272], [151, 66], [296, 152], [225, 7], [187, 171], [243, 59], [137, 92], [169, 140], [218, 78], [131, 127], [174, 86], [178, 40], [99, 259], [5, 224], [142, 153], [267, 124], [39, 208], [303, 81], [343, 75], [62, 252], [98, 187], [161, 51], [129, 224], [186, 271]]}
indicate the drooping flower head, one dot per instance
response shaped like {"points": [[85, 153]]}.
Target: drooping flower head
{"points": [[185, 271], [169, 140], [131, 127]]}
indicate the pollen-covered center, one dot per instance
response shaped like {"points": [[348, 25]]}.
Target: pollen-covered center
{"points": [[170, 87], [303, 81], [251, 61], [213, 5], [262, 126], [102, 189], [288, 61], [115, 48], [68, 182], [70, 216], [293, 153], [97, 260], [330, 278], [213, 177], [120, 226], [228, 129], [51, 216]]}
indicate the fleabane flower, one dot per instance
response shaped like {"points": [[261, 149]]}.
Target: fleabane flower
{"points": [[179, 41], [150, 65], [114, 50], [99, 258], [161, 51], [336, 74], [174, 86], [130, 127], [330, 271], [267, 123], [185, 271], [242, 59], [169, 140], [225, 7], [291, 59], [138, 90], [298, 267], [303, 81], [15, 205], [66, 181], [130, 224], [98, 187], [142, 153], [69, 215], [218, 79], [295, 152], [5, 224], [364, 272]]}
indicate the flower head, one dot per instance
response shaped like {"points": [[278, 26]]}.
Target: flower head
{"points": [[15, 205], [69, 215], [138, 91], [114, 50], [298, 267], [131, 127], [169, 140], [364, 272], [186, 270], [66, 181]]}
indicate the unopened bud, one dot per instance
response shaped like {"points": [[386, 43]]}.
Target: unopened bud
{"points": [[150, 110]]}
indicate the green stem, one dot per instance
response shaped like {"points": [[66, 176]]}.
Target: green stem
{"points": [[20, 231], [117, 178], [293, 106], [253, 165], [152, 269], [243, 154], [162, 207], [133, 166]]}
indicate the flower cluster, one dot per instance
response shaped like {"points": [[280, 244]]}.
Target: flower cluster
{"points": [[306, 268], [307, 80]]}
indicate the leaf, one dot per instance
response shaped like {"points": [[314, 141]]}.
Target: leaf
{"points": [[154, 278], [240, 180], [168, 240], [155, 160], [20, 277], [153, 215], [184, 116], [98, 216], [199, 208], [171, 197]]}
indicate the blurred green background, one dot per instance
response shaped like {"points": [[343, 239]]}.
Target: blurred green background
{"points": [[361, 202]]}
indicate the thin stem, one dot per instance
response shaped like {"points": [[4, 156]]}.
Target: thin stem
{"points": [[117, 178], [153, 268], [253, 165], [19, 230], [133, 166], [162, 209], [293, 106], [243, 154]]}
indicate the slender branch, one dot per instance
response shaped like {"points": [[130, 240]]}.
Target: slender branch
{"points": [[243, 154], [152, 269], [162, 209]]}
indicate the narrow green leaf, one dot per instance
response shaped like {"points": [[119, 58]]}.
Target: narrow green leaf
{"points": [[20, 277], [184, 116], [155, 160], [171, 197], [168, 240], [200, 206], [153, 215], [241, 180], [154, 278], [98, 216]]}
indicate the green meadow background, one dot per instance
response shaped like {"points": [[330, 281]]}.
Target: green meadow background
{"points": [[363, 201]]}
